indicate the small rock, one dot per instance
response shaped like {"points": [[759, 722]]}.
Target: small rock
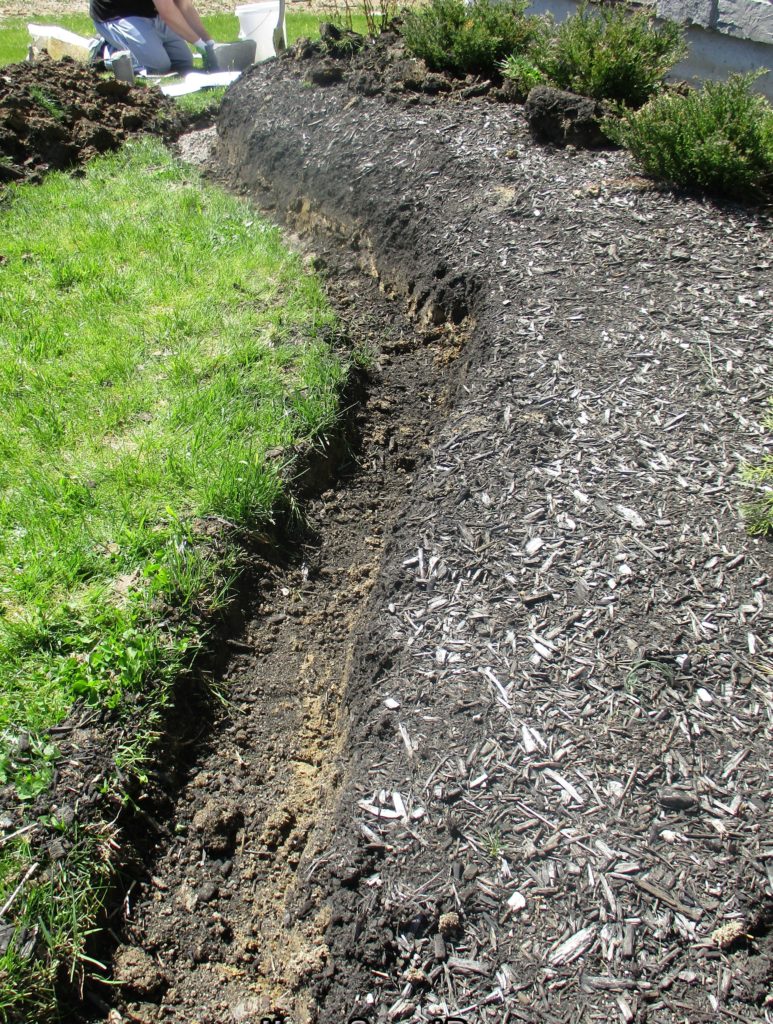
{"points": [[677, 799], [207, 892]]}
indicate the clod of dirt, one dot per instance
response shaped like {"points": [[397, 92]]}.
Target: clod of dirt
{"points": [[216, 825], [137, 972], [57, 114], [564, 118]]}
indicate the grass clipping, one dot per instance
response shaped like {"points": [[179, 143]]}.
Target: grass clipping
{"points": [[160, 351]]}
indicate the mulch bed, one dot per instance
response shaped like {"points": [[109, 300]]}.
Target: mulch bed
{"points": [[558, 793]]}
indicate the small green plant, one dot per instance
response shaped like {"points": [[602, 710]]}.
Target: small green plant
{"points": [[522, 72], [41, 97], [492, 843], [719, 139], [451, 35], [759, 513], [611, 54]]}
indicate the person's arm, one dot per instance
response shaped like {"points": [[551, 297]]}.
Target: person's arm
{"points": [[182, 18], [191, 15]]}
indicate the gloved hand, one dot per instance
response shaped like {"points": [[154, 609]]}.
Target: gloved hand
{"points": [[207, 50]]}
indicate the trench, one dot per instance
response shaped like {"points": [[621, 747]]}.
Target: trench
{"points": [[208, 918]]}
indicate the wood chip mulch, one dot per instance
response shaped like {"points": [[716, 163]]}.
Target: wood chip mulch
{"points": [[558, 804]]}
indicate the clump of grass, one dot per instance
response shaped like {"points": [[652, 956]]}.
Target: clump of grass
{"points": [[475, 38], [521, 70], [758, 513], [53, 912], [160, 350], [719, 138], [610, 53], [41, 97]]}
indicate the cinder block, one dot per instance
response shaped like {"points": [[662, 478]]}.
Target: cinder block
{"points": [[746, 19], [690, 12]]}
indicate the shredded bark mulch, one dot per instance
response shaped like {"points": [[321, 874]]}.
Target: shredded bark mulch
{"points": [[557, 798]]}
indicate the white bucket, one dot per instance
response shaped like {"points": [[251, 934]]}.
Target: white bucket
{"points": [[257, 22]]}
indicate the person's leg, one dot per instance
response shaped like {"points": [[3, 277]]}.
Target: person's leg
{"points": [[180, 56], [141, 37]]}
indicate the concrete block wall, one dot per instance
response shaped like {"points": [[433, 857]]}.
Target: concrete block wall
{"points": [[741, 19]]}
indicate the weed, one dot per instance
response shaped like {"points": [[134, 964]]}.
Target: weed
{"points": [[759, 512], [609, 53], [719, 139], [522, 72], [492, 844], [475, 38], [41, 97], [637, 677]]}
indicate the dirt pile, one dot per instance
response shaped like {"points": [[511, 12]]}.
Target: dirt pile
{"points": [[383, 67], [57, 114]]}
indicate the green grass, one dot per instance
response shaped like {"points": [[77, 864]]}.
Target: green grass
{"points": [[758, 513], [14, 38], [160, 351]]}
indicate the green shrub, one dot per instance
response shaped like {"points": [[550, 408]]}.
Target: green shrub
{"points": [[719, 139], [522, 71], [759, 513], [470, 39], [612, 54]]}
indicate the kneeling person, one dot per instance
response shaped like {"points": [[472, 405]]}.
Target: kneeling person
{"points": [[155, 32]]}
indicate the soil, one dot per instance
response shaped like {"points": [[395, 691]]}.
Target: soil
{"points": [[494, 738], [57, 115]]}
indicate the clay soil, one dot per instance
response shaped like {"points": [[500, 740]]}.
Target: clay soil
{"points": [[492, 741]]}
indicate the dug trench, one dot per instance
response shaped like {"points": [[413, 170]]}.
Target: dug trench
{"points": [[494, 738]]}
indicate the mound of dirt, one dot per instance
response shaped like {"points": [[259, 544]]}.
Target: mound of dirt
{"points": [[57, 114], [383, 66]]}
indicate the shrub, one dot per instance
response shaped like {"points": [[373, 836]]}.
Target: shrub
{"points": [[470, 39], [612, 54], [719, 139], [759, 514]]}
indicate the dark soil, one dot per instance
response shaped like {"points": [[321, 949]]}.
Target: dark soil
{"points": [[55, 115], [495, 734]]}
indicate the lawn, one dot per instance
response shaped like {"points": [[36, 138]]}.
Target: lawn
{"points": [[163, 355], [14, 38]]}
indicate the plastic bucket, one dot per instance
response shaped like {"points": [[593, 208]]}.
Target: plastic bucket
{"points": [[257, 22]]}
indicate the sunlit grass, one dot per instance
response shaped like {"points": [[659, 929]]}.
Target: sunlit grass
{"points": [[161, 354], [14, 37], [157, 340]]}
